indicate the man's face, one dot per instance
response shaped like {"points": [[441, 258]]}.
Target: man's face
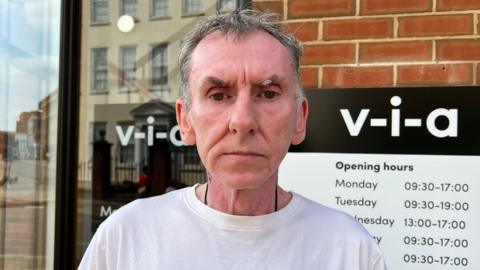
{"points": [[244, 113]]}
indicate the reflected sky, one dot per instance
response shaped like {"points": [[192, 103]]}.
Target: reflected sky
{"points": [[29, 56]]}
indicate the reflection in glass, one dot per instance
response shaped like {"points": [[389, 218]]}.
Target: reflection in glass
{"points": [[128, 59], [159, 8], [227, 5], [29, 58], [191, 6], [159, 65], [128, 7], [100, 69], [99, 11], [129, 144]]}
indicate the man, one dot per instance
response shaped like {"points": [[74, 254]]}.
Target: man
{"points": [[242, 106]]}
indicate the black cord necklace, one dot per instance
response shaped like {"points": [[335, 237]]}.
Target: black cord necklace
{"points": [[276, 197]]}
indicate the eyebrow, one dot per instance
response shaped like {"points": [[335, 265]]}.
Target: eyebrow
{"points": [[210, 80], [272, 79]]}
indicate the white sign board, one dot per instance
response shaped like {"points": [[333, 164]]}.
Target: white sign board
{"points": [[423, 210], [404, 162]]}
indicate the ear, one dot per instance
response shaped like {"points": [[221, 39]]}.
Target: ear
{"points": [[186, 130], [301, 123]]}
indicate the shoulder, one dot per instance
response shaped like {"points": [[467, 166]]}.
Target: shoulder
{"points": [[133, 231], [145, 211]]}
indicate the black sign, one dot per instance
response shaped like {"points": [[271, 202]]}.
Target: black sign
{"points": [[394, 121]]}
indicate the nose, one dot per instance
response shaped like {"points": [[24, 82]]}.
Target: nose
{"points": [[243, 118]]}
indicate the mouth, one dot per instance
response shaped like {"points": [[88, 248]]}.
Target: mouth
{"points": [[243, 156], [243, 153]]}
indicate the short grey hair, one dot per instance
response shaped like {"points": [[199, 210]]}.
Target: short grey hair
{"points": [[238, 23]]}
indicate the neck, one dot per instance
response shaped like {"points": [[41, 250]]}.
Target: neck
{"points": [[262, 200]]}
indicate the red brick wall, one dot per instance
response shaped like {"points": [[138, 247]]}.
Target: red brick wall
{"points": [[380, 43]]}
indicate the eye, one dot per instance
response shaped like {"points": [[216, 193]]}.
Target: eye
{"points": [[269, 94], [218, 96]]}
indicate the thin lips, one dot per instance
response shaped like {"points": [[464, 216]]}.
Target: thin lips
{"points": [[244, 153]]}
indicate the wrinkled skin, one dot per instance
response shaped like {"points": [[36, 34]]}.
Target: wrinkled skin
{"points": [[243, 117]]}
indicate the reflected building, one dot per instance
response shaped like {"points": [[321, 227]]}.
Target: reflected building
{"points": [[48, 108], [27, 136], [6, 149], [130, 51], [129, 84], [27, 181]]}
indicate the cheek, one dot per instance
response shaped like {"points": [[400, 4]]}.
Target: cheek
{"points": [[282, 127], [280, 134], [209, 128]]}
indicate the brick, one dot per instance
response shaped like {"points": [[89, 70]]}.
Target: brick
{"points": [[320, 8], [275, 6], [368, 7], [436, 75], [443, 5], [460, 49], [342, 77], [328, 54], [443, 25], [309, 77], [304, 31], [478, 74], [357, 29], [395, 51]]}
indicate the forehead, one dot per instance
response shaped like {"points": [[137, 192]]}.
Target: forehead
{"points": [[255, 54]]}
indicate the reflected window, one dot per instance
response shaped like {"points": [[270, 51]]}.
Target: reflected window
{"points": [[99, 69], [191, 7], [128, 59], [159, 8], [226, 5], [159, 65], [128, 7], [99, 11], [126, 153]]}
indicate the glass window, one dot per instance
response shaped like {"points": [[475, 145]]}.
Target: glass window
{"points": [[128, 7], [159, 65], [227, 5], [109, 169], [29, 75], [191, 6], [99, 130], [159, 8], [128, 59], [99, 69], [99, 11], [125, 152]]}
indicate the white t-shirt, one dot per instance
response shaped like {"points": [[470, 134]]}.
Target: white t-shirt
{"points": [[177, 231]]}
